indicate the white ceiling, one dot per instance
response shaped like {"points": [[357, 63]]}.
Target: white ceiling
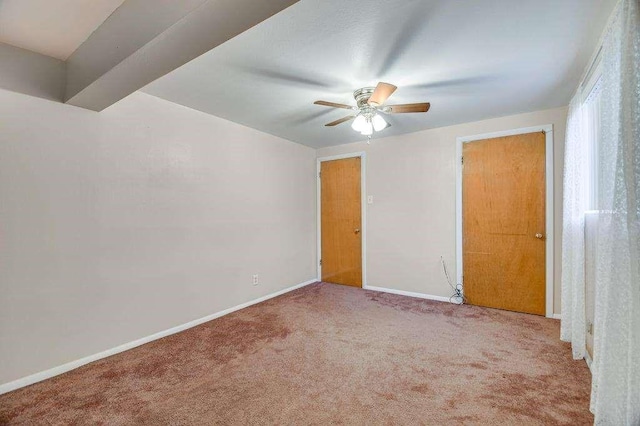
{"points": [[52, 27], [471, 59]]}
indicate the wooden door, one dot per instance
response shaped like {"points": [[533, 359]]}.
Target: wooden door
{"points": [[503, 216], [341, 221]]}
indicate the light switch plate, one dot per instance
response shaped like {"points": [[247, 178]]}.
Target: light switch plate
{"points": [[370, 199]]}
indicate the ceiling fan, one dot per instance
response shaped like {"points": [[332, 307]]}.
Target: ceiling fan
{"points": [[370, 102]]}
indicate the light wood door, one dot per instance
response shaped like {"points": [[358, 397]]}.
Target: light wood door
{"points": [[503, 216], [341, 221]]}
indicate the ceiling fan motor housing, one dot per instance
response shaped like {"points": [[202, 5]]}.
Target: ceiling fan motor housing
{"points": [[362, 97]]}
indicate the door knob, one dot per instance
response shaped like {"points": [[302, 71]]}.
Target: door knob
{"points": [[357, 230], [539, 236]]}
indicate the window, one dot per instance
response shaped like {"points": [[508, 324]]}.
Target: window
{"points": [[591, 120]]}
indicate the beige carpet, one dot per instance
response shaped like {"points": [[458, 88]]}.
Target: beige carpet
{"points": [[328, 354]]}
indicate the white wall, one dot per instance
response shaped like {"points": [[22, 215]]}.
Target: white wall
{"points": [[412, 221], [120, 224]]}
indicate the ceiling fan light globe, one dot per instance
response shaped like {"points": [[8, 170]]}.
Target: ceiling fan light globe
{"points": [[379, 123], [359, 123], [367, 129]]}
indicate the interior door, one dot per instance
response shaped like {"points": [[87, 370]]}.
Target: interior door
{"points": [[503, 222], [341, 221]]}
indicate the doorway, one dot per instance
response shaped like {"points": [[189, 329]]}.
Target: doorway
{"points": [[505, 222], [341, 233]]}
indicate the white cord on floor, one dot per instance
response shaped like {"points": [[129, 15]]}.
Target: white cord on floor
{"points": [[457, 298]]}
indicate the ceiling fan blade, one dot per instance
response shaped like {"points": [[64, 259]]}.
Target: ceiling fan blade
{"points": [[342, 120], [332, 104], [405, 108], [381, 94]]}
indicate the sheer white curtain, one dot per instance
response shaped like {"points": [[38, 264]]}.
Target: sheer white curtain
{"points": [[615, 398], [572, 328]]}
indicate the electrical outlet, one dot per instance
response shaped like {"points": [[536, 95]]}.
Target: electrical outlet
{"points": [[255, 279], [370, 199]]}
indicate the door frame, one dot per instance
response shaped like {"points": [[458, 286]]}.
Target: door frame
{"points": [[363, 207], [549, 223]]}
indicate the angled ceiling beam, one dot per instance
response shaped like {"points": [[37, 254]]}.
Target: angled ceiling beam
{"points": [[31, 73], [146, 39]]}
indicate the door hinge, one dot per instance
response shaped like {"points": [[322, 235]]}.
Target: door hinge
{"points": [[320, 262], [462, 160], [319, 175]]}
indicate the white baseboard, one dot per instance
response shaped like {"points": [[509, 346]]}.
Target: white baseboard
{"points": [[43, 375], [557, 316], [408, 293]]}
